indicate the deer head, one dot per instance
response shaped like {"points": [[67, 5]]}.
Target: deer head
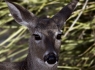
{"points": [[45, 41]]}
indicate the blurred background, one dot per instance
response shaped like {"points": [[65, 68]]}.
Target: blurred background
{"points": [[78, 41]]}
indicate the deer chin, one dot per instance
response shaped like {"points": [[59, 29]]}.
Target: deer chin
{"points": [[51, 65]]}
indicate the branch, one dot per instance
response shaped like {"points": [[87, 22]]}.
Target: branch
{"points": [[83, 8]]}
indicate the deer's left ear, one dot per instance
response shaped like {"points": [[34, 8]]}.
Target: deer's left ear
{"points": [[64, 14], [21, 15]]}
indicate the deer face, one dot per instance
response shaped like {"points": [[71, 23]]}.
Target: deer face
{"points": [[47, 39], [46, 33]]}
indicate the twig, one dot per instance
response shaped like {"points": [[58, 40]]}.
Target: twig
{"points": [[84, 6]]}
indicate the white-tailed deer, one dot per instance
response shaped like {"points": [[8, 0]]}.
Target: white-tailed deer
{"points": [[45, 41]]}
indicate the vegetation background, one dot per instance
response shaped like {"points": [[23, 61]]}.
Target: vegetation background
{"points": [[78, 42]]}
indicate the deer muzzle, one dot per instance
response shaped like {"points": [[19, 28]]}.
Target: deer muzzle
{"points": [[51, 58]]}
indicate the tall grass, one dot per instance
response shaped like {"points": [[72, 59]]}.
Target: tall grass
{"points": [[78, 42]]}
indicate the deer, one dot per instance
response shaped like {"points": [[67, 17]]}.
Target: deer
{"points": [[45, 37]]}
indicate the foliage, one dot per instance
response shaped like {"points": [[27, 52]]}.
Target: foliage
{"points": [[78, 46]]}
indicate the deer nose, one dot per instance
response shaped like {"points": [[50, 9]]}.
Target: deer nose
{"points": [[51, 58]]}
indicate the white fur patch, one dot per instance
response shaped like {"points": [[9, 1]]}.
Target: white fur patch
{"points": [[45, 63]]}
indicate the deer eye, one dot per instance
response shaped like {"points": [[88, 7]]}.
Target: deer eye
{"points": [[37, 37], [59, 36]]}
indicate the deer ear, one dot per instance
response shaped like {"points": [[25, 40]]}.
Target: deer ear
{"points": [[64, 14], [20, 14]]}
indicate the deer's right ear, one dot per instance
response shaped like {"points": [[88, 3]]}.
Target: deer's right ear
{"points": [[21, 15]]}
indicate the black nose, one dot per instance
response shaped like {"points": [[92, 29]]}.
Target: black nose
{"points": [[51, 58]]}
